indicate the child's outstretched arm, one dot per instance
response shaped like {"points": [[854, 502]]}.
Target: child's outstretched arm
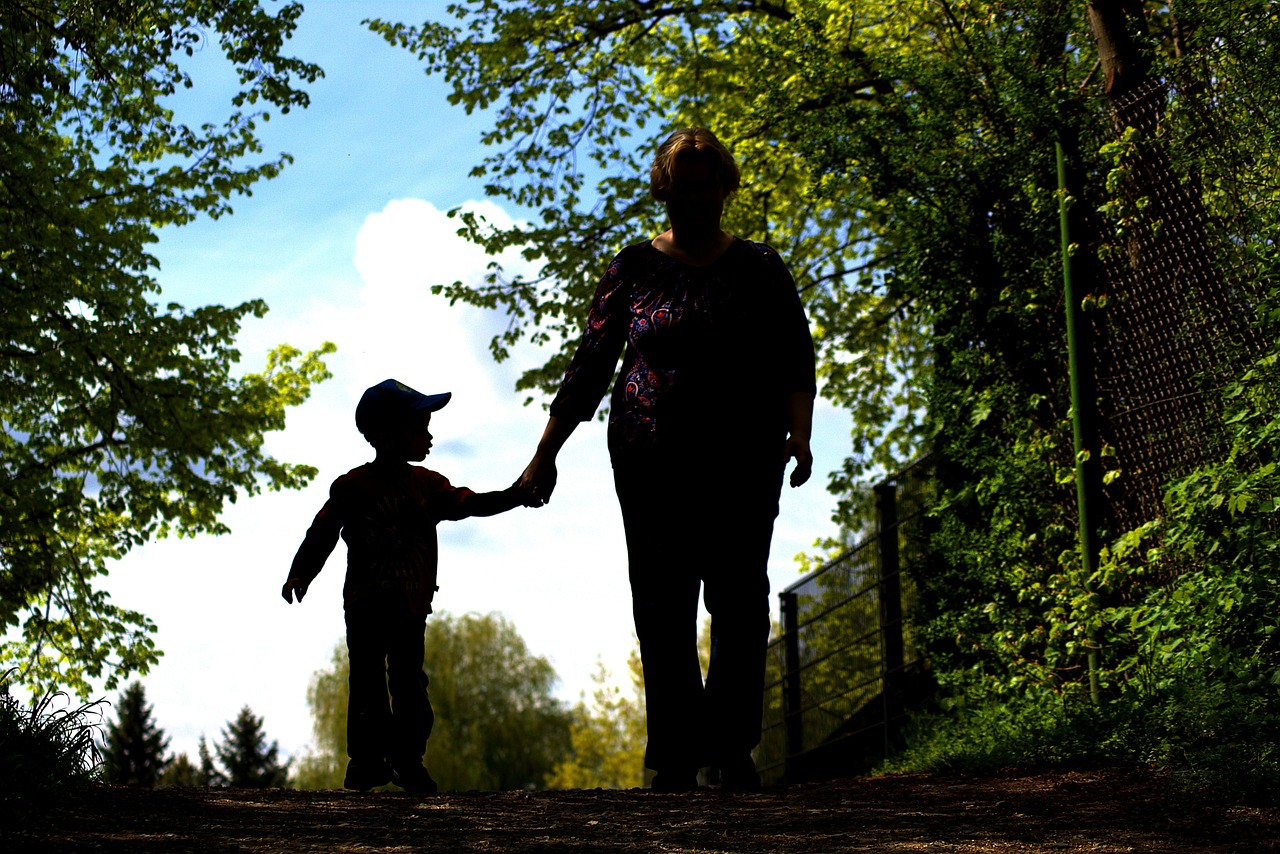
{"points": [[493, 503]]}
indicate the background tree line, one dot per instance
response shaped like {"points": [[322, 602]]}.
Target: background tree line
{"points": [[498, 726], [135, 751]]}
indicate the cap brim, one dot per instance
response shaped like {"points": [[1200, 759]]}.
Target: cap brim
{"points": [[432, 402]]}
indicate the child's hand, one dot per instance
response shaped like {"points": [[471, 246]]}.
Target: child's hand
{"points": [[294, 586], [524, 493]]}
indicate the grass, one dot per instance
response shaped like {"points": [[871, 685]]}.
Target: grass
{"points": [[1207, 738], [47, 750]]}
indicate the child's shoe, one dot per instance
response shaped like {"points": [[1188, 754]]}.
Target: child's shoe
{"points": [[365, 775], [416, 780]]}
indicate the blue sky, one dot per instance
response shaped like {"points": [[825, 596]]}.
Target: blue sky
{"points": [[343, 246]]}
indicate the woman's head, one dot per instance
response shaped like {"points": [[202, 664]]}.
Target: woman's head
{"points": [[698, 143]]}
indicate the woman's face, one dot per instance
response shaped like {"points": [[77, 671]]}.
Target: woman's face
{"points": [[695, 199]]}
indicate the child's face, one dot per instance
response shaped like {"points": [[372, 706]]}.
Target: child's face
{"points": [[412, 443]]}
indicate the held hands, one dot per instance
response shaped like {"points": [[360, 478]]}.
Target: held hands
{"points": [[523, 495], [294, 586], [797, 448], [538, 480]]}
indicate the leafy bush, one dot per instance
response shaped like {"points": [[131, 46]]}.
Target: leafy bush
{"points": [[1036, 730], [1190, 654], [46, 751], [1205, 736]]}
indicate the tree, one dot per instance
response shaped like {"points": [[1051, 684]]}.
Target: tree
{"points": [[498, 726], [582, 93], [124, 419], [902, 156], [183, 773], [133, 753], [607, 737], [327, 695], [209, 775], [246, 759]]}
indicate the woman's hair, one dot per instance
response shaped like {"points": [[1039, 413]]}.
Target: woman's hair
{"points": [[702, 143]]}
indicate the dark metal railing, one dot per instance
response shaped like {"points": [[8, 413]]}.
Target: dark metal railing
{"points": [[834, 697]]}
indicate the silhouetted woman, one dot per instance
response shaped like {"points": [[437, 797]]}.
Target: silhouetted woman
{"points": [[715, 395]]}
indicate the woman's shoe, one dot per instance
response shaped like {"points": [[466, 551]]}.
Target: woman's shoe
{"points": [[739, 776]]}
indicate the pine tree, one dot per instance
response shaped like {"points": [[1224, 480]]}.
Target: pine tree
{"points": [[245, 757], [209, 773], [133, 753], [183, 773]]}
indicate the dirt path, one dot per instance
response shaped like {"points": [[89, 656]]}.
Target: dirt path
{"points": [[1071, 812]]}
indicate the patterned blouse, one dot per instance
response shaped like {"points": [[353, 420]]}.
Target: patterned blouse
{"points": [[711, 353]]}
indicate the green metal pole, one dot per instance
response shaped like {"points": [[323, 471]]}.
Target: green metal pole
{"points": [[1084, 410]]}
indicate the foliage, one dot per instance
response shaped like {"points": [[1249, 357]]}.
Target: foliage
{"points": [[1193, 664], [607, 737], [1037, 730], [902, 157], [183, 773], [133, 752], [498, 726], [324, 766], [582, 93], [122, 417], [245, 758], [48, 752], [209, 774]]}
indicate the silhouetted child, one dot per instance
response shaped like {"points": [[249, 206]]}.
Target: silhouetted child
{"points": [[387, 512]]}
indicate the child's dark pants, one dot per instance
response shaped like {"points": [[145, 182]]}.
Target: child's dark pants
{"points": [[386, 649]]}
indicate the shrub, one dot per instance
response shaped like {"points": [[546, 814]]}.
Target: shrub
{"points": [[47, 751]]}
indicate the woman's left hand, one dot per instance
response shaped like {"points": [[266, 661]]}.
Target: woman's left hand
{"points": [[797, 449]]}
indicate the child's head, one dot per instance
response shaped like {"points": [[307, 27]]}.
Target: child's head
{"points": [[395, 419]]}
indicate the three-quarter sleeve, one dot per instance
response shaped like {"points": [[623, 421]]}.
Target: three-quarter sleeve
{"points": [[592, 367], [796, 368]]}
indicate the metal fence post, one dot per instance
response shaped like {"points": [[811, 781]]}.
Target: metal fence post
{"points": [[891, 646], [791, 695], [1084, 401]]}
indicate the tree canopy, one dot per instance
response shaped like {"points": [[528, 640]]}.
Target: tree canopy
{"points": [[582, 93], [901, 156], [124, 418]]}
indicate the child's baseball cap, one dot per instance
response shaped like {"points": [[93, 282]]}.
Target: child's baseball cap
{"points": [[390, 401]]}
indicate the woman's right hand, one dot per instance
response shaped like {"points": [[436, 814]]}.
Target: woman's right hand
{"points": [[539, 478]]}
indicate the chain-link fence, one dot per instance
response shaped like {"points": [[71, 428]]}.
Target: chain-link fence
{"points": [[1186, 250]]}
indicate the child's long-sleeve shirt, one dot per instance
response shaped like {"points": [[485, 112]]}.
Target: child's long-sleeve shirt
{"points": [[387, 514]]}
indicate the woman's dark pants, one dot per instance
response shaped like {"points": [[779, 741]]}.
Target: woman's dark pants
{"points": [[386, 649], [686, 528]]}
